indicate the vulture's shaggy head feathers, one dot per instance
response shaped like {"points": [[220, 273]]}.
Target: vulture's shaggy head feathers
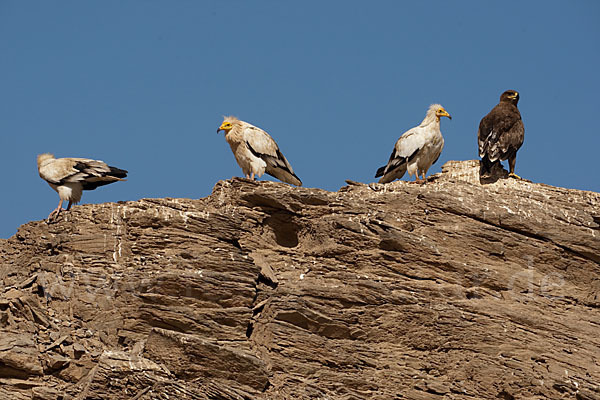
{"points": [[228, 123], [438, 110], [44, 157], [434, 113]]}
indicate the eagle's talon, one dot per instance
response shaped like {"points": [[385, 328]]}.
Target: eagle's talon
{"points": [[515, 176]]}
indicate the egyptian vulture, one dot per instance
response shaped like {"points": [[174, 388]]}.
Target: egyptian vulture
{"points": [[70, 176], [501, 134], [417, 149], [256, 152]]}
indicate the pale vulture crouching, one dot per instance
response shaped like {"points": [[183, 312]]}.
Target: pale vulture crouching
{"points": [[417, 149], [71, 176], [256, 152]]}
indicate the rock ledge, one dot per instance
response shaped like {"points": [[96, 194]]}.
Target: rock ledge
{"points": [[449, 290]]}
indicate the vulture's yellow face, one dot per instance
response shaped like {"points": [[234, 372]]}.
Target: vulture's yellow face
{"points": [[225, 126], [441, 112]]}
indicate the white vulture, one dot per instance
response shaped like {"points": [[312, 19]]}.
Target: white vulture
{"points": [[256, 152], [71, 176], [417, 149]]}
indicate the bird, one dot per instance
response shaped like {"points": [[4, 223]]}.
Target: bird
{"points": [[70, 176], [256, 152], [500, 135], [417, 149]]}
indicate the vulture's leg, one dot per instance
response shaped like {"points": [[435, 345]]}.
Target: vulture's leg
{"points": [[55, 212]]}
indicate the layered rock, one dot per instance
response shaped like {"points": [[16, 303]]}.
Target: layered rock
{"points": [[449, 290]]}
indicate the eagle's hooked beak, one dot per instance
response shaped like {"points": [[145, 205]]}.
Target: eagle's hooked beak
{"points": [[513, 95]]}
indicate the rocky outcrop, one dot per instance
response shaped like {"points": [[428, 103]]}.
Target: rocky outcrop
{"points": [[448, 290]]}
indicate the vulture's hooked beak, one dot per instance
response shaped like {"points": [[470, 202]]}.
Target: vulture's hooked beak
{"points": [[222, 127]]}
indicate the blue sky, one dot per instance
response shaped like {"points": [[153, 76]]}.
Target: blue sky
{"points": [[143, 85]]}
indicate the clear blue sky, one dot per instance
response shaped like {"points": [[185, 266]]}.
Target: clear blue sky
{"points": [[143, 85]]}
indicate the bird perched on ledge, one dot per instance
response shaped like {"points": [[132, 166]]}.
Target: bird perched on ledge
{"points": [[501, 134], [70, 176], [417, 149], [256, 152]]}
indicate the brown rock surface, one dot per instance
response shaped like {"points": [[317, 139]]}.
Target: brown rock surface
{"points": [[450, 290]]}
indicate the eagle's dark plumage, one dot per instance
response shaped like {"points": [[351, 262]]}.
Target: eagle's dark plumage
{"points": [[501, 134]]}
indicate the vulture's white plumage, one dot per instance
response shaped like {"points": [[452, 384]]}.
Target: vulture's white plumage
{"points": [[71, 176], [256, 152], [417, 149]]}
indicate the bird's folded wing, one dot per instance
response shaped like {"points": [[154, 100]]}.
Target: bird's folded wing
{"points": [[513, 138], [410, 143], [488, 142], [499, 131], [405, 149], [482, 143], [64, 170], [262, 145]]}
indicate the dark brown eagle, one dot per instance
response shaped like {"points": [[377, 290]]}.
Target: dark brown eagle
{"points": [[501, 134]]}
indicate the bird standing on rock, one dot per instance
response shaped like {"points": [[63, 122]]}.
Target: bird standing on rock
{"points": [[71, 176], [501, 134], [256, 152], [417, 149]]}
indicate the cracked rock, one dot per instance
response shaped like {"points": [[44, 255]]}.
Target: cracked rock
{"points": [[451, 289]]}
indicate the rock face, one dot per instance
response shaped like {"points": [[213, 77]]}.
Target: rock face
{"points": [[449, 290]]}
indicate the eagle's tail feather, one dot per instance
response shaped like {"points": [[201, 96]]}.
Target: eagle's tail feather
{"points": [[486, 167]]}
